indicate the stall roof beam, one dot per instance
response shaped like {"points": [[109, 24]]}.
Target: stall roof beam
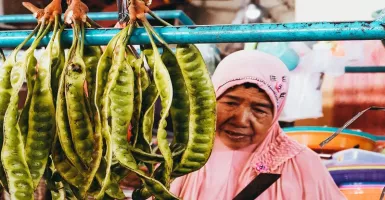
{"points": [[319, 31], [102, 16]]}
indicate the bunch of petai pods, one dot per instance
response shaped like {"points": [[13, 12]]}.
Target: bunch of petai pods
{"points": [[88, 118]]}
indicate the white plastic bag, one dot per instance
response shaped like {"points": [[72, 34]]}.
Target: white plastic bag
{"points": [[211, 56], [304, 100]]}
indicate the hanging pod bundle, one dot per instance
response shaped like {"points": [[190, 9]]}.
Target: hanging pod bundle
{"points": [[88, 120]]}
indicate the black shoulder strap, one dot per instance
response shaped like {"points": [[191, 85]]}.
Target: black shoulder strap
{"points": [[257, 186]]}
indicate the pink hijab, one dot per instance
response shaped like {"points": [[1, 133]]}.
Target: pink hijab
{"points": [[228, 171]]}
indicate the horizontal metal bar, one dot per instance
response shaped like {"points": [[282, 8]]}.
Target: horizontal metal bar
{"points": [[100, 16], [363, 69], [320, 31]]}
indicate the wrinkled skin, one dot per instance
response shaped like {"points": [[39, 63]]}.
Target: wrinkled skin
{"points": [[244, 116]]}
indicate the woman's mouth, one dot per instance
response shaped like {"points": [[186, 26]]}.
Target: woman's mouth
{"points": [[235, 135]]}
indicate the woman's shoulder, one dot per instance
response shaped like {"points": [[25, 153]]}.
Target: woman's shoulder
{"points": [[308, 154], [308, 158], [310, 165], [304, 154]]}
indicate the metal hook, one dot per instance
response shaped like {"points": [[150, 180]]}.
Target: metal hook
{"points": [[322, 144], [123, 16]]}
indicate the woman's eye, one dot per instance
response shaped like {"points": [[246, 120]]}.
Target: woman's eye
{"points": [[230, 103], [259, 111]]}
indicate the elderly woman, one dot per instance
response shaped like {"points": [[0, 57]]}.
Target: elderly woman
{"points": [[251, 87]]}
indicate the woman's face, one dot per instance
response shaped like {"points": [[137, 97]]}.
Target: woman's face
{"points": [[244, 115]]}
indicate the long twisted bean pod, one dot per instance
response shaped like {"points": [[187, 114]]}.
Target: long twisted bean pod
{"points": [[29, 62], [179, 111], [146, 122], [145, 82], [65, 159], [180, 107], [12, 154], [164, 85], [137, 135], [5, 95], [63, 127], [73, 163], [202, 107], [150, 56], [180, 104], [107, 116], [104, 65], [135, 122], [58, 62], [150, 94], [102, 72], [91, 57], [131, 59], [80, 124], [41, 120]]}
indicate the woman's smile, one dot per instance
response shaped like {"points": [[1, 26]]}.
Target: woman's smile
{"points": [[236, 135]]}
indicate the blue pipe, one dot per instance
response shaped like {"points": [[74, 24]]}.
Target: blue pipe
{"points": [[185, 19], [319, 31], [364, 69], [101, 16]]}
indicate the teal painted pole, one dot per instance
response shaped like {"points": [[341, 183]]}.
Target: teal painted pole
{"points": [[319, 31], [364, 69], [102, 16]]}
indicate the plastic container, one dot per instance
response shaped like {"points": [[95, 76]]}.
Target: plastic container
{"points": [[362, 191], [312, 136], [355, 174], [356, 157]]}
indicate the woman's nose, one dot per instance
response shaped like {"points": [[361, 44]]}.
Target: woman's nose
{"points": [[242, 116]]}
